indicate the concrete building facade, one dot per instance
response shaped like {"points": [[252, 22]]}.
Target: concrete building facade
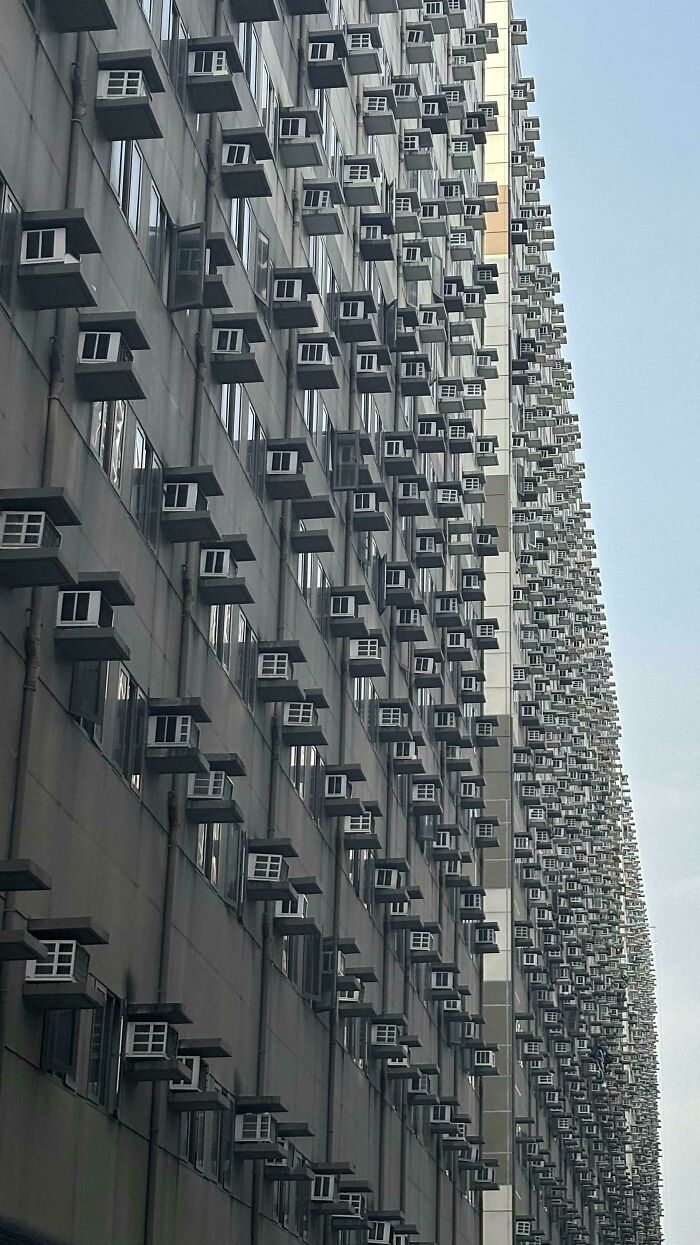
{"points": [[322, 916]]}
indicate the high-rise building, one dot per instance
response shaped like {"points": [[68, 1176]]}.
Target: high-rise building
{"points": [[323, 918]]}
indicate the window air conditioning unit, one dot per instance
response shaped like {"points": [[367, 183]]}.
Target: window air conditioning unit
{"points": [[267, 867], [288, 290], [209, 63], [150, 1039], [83, 609], [337, 787], [296, 907], [172, 730], [216, 785], [99, 346], [324, 1190], [228, 341], [255, 1129], [299, 713], [274, 666], [180, 496], [381, 1231], [197, 1071], [66, 961], [121, 84]]}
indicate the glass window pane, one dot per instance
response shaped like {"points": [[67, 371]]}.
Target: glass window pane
{"points": [[180, 67], [166, 28], [262, 266], [214, 871], [138, 730], [134, 195], [253, 65], [120, 747], [225, 654], [236, 416], [187, 279], [213, 626], [139, 478], [9, 234], [156, 234], [116, 166], [98, 429], [117, 446], [155, 485]]}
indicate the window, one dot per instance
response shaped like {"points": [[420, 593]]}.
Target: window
{"points": [[240, 228], [188, 260], [146, 486], [292, 957], [307, 776], [147, 7], [209, 851], [129, 728], [125, 174], [255, 452], [157, 237], [221, 633], [317, 420], [261, 275], [310, 411], [252, 62], [305, 576], [365, 696], [107, 431], [360, 864], [104, 1050], [234, 867], [317, 259], [246, 660], [355, 1034], [192, 1137], [87, 696], [269, 104], [173, 46], [9, 234], [59, 1043], [230, 408], [323, 596], [111, 708], [324, 439]]}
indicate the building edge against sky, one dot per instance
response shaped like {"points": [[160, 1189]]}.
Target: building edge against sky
{"points": [[323, 915]]}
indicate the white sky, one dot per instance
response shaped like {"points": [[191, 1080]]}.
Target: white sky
{"points": [[618, 94]]}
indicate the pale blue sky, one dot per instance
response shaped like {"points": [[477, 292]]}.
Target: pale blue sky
{"points": [[618, 94]]}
